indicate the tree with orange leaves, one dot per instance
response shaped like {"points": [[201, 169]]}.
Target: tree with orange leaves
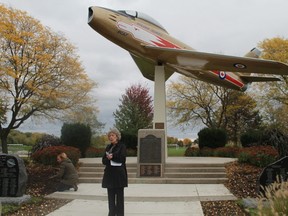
{"points": [[40, 73]]}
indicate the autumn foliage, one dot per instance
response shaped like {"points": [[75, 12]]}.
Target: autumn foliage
{"points": [[40, 73], [135, 110], [259, 156], [48, 156]]}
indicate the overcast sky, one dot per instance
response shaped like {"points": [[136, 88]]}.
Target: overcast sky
{"points": [[230, 27]]}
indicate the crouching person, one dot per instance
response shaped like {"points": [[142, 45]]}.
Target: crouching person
{"points": [[67, 174]]}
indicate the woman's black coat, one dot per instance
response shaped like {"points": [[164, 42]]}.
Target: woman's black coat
{"points": [[115, 176]]}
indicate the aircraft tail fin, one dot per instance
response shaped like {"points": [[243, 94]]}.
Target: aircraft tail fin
{"points": [[253, 53]]}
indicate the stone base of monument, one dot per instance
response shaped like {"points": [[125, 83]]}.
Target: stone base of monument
{"points": [[151, 153], [15, 200]]}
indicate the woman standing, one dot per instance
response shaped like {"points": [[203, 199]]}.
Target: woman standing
{"points": [[115, 173]]}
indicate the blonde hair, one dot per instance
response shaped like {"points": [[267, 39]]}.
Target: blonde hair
{"points": [[62, 155], [116, 132]]}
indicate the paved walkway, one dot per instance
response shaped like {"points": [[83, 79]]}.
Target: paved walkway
{"points": [[146, 199]]}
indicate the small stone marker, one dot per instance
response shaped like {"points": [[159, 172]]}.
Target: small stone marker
{"points": [[13, 176]]}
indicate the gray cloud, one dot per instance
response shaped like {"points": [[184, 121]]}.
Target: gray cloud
{"points": [[223, 26]]}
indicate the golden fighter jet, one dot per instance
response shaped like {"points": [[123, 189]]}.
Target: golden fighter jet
{"points": [[150, 45]]}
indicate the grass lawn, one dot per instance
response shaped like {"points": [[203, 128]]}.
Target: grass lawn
{"points": [[19, 149], [176, 152]]}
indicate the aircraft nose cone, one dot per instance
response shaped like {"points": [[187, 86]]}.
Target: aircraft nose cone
{"points": [[90, 14], [98, 18]]}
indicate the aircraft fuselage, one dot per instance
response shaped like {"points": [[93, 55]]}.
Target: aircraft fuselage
{"points": [[134, 34]]}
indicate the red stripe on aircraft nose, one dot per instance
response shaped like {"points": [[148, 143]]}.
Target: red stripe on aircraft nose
{"points": [[164, 43]]}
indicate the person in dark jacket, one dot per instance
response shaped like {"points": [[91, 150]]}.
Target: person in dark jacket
{"points": [[67, 174], [115, 173]]}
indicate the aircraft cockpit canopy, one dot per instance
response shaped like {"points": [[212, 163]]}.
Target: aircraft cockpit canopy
{"points": [[136, 14]]}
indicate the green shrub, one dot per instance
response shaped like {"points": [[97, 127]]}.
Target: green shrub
{"points": [[262, 160], [260, 156], [93, 152], [277, 139], [48, 156], [129, 140], [231, 152], [250, 138], [244, 157], [207, 152], [76, 135], [212, 138], [192, 152], [131, 152], [45, 141]]}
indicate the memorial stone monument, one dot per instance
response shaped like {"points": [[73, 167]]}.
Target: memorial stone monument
{"points": [[13, 176], [277, 171], [151, 153]]}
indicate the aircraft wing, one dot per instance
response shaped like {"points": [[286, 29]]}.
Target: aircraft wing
{"points": [[259, 79], [193, 60]]}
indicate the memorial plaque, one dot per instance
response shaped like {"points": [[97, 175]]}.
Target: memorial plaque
{"points": [[151, 153], [13, 176], [277, 171], [150, 170], [150, 149], [159, 125]]}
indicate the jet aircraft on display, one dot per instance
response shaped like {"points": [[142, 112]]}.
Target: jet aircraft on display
{"points": [[150, 45]]}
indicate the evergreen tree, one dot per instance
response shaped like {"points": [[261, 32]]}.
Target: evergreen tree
{"points": [[76, 135], [135, 110]]}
